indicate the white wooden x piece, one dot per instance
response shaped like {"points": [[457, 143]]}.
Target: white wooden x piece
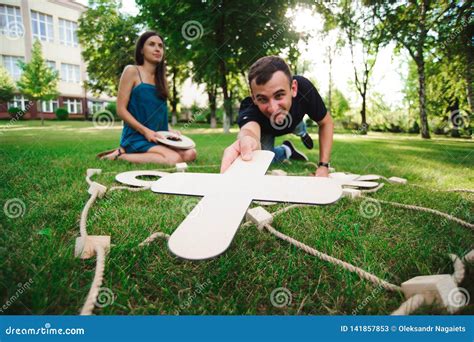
{"points": [[210, 227]]}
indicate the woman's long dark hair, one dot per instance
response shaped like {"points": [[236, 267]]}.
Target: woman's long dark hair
{"points": [[160, 72]]}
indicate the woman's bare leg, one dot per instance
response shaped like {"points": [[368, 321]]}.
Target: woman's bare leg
{"points": [[157, 155], [188, 155]]}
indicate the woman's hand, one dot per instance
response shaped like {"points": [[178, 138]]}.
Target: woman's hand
{"points": [[152, 136], [177, 133]]}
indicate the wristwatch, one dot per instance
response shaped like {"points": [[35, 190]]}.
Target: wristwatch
{"points": [[323, 164]]}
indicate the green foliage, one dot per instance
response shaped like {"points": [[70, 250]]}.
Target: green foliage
{"points": [[112, 108], [340, 104], [15, 113], [108, 42], [7, 86], [62, 114], [38, 81]]}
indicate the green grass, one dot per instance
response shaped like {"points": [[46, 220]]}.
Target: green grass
{"points": [[44, 167]]}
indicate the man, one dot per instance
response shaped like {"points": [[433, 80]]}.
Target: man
{"points": [[276, 107]]}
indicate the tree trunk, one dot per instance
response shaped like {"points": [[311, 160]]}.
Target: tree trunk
{"points": [[212, 106], [174, 100], [456, 118], [363, 128], [39, 109], [420, 62], [330, 80], [227, 100], [425, 133], [468, 75]]}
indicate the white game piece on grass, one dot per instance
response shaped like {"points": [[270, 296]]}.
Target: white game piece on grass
{"points": [[351, 180], [209, 228], [101, 189], [368, 178], [351, 193], [130, 177], [259, 217], [91, 172], [438, 288], [177, 141], [181, 167], [84, 248], [397, 180]]}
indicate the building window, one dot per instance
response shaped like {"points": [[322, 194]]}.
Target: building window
{"points": [[19, 101], [49, 106], [51, 64], [11, 64], [68, 32], [70, 73], [74, 106], [42, 26], [10, 21], [95, 106]]}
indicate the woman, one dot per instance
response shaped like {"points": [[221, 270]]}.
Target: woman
{"points": [[141, 103]]}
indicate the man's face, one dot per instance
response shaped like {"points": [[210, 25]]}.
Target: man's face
{"points": [[274, 98]]}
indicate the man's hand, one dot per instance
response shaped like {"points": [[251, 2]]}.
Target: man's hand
{"points": [[322, 171], [244, 146]]}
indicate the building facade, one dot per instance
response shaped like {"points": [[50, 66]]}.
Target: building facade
{"points": [[54, 23]]}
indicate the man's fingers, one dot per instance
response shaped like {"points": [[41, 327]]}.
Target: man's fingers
{"points": [[246, 149], [230, 154]]}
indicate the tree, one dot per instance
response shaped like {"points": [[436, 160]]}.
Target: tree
{"points": [[362, 33], [7, 86], [222, 37], [108, 44], [38, 81]]}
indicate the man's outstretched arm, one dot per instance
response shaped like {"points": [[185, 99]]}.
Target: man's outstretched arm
{"points": [[326, 132], [247, 141]]}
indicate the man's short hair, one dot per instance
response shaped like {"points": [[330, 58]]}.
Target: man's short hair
{"points": [[264, 68]]}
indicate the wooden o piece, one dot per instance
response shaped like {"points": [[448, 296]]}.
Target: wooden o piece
{"points": [[210, 227], [181, 142], [130, 177]]}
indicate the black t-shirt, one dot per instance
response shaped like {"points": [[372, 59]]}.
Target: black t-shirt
{"points": [[307, 101]]}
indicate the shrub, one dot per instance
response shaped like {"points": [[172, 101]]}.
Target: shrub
{"points": [[62, 114], [15, 113]]}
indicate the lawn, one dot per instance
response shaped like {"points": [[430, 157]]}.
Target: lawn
{"points": [[44, 167]]}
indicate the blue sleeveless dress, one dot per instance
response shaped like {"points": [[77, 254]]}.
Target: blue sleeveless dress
{"points": [[150, 111]]}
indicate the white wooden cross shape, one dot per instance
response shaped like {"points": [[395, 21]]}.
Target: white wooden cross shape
{"points": [[210, 227]]}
